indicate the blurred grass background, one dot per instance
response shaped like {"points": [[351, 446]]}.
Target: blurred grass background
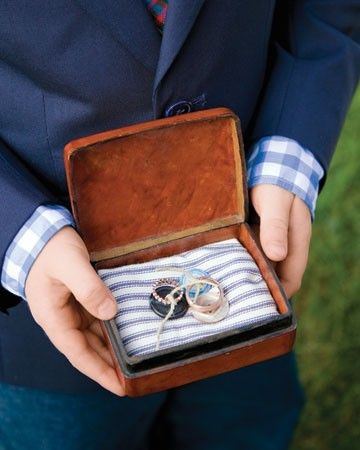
{"points": [[328, 306]]}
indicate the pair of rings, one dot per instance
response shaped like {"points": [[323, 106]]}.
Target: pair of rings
{"points": [[196, 291]]}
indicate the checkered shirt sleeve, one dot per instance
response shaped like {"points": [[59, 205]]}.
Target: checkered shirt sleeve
{"points": [[28, 243], [283, 162]]}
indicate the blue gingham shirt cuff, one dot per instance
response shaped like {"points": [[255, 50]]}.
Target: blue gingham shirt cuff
{"points": [[28, 243], [284, 162]]}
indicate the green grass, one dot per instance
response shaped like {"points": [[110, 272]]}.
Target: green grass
{"points": [[328, 306]]}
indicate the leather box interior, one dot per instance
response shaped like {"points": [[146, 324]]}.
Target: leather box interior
{"points": [[159, 188]]}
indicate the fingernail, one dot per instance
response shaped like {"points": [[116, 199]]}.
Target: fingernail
{"points": [[107, 309]]}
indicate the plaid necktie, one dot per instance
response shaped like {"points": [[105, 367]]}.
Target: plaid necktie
{"points": [[158, 9]]}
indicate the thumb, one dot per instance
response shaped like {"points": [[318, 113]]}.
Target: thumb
{"points": [[273, 205], [89, 290]]}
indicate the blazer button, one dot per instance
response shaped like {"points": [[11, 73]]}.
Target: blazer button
{"points": [[181, 107]]}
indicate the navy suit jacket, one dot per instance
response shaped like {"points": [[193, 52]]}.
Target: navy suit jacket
{"points": [[69, 68]]}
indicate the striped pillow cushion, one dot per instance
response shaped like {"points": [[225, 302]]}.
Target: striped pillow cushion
{"points": [[227, 261]]}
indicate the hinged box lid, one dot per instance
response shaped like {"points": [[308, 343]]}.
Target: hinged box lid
{"points": [[145, 184]]}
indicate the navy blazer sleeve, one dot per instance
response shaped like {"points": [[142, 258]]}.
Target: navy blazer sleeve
{"points": [[20, 194], [314, 74]]}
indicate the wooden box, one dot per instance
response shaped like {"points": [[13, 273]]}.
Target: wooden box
{"points": [[126, 187]]}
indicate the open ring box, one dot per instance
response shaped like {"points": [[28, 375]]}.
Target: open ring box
{"points": [[158, 189]]}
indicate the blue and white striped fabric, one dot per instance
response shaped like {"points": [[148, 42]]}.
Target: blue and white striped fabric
{"points": [[285, 163], [226, 261], [28, 243]]}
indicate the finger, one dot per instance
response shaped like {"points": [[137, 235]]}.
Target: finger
{"points": [[96, 340], [95, 327], [256, 232], [273, 206], [74, 345], [100, 347], [89, 290], [291, 270], [95, 335]]}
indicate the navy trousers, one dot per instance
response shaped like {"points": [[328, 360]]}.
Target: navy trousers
{"points": [[255, 408]]}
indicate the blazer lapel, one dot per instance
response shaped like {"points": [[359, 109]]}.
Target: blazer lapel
{"points": [[131, 24], [180, 17]]}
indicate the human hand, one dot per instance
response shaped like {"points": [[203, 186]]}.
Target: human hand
{"points": [[66, 298], [285, 232]]}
